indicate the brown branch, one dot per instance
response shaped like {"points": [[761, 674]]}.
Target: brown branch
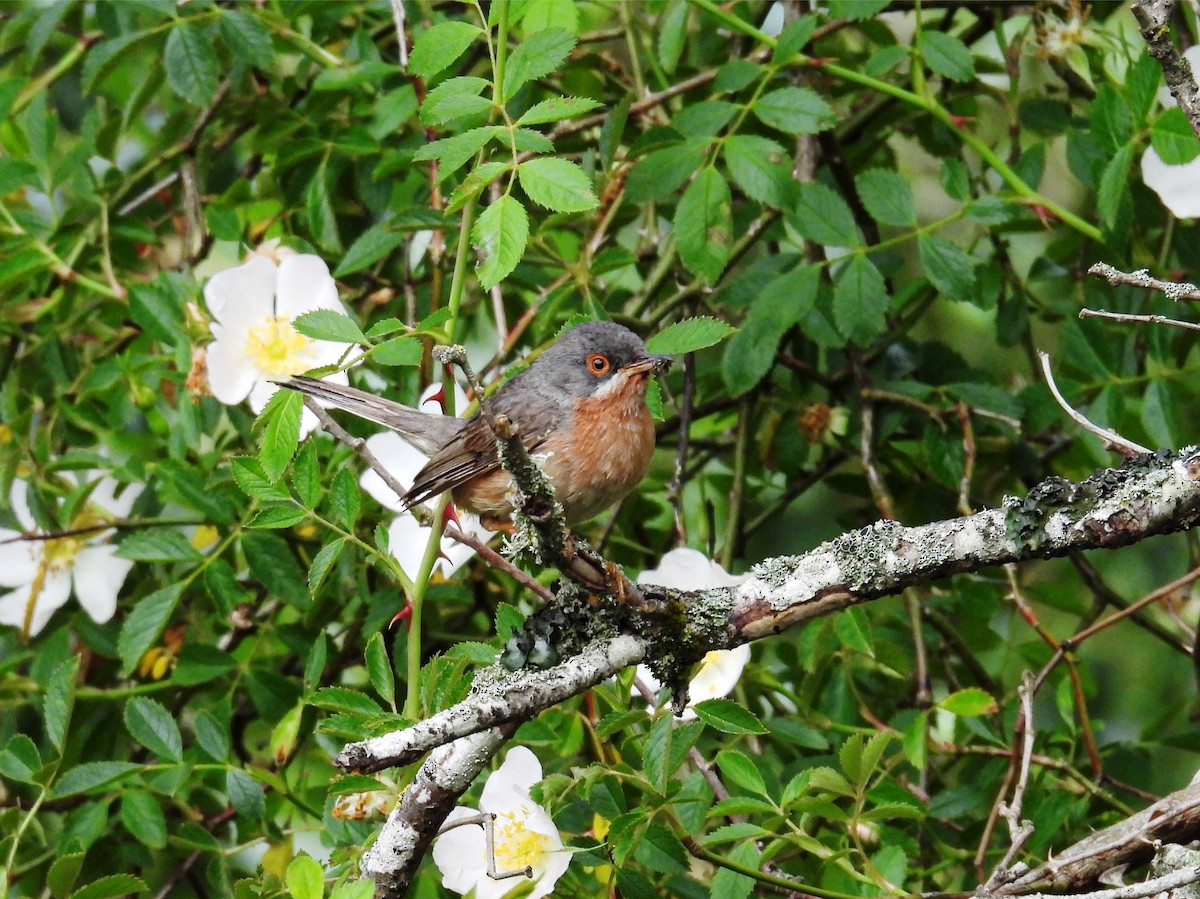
{"points": [[1153, 17]]}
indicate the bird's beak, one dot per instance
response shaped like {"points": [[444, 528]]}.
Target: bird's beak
{"points": [[653, 365]]}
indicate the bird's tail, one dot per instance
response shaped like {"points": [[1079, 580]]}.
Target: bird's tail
{"points": [[427, 432]]}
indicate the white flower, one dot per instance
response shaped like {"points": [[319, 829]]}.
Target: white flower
{"points": [[407, 538], [1178, 186], [688, 569], [41, 573], [524, 834], [254, 343]]}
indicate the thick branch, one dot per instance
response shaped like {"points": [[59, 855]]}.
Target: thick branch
{"points": [[1153, 17]]}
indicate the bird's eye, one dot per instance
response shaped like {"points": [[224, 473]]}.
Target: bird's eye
{"points": [[598, 364]]}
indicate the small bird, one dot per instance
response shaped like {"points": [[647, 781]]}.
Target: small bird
{"points": [[580, 409]]}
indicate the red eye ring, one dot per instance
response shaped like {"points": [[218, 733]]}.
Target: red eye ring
{"points": [[598, 364]]}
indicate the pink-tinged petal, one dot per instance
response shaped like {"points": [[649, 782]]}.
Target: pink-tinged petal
{"points": [[19, 497], [99, 576], [19, 559], [399, 459], [231, 373], [1178, 186], [55, 589], [461, 854], [304, 285], [511, 781], [243, 297]]}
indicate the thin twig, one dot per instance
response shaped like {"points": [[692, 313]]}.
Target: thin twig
{"points": [[1141, 278], [1138, 319], [1146, 888], [675, 485], [1112, 440], [401, 39]]}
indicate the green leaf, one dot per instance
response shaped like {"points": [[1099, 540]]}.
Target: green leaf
{"points": [[326, 324], [343, 699], [949, 267], [731, 884], [453, 98], [795, 110], [19, 760], [1112, 124], [305, 877], [245, 793], [757, 166], [93, 776], [191, 64], [660, 850], [1173, 138], [556, 184], [535, 57], [344, 498], [319, 208], [689, 335], [247, 37], [661, 172], [793, 38], [856, 10], [253, 480], [212, 736], [703, 225], [475, 183], [278, 515], [728, 717], [860, 301], [143, 818], [372, 245], [499, 235], [438, 47], [557, 109], [355, 783], [306, 476], [158, 309], [672, 32], [888, 197], [63, 873], [1114, 184], [740, 770], [60, 700], [281, 435], [379, 668], [322, 564], [144, 624], [822, 216], [149, 722], [947, 55], [969, 703], [111, 886], [157, 545], [853, 630], [779, 306], [273, 565]]}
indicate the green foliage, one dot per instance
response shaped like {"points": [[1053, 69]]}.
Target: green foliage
{"points": [[862, 233]]}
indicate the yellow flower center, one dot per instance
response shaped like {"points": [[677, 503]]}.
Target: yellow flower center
{"points": [[517, 847], [278, 349]]}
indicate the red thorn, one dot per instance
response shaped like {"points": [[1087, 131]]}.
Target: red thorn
{"points": [[450, 516], [439, 397], [960, 121], [821, 60], [404, 615], [1045, 216]]}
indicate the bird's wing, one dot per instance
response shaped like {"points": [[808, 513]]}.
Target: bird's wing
{"points": [[425, 431]]}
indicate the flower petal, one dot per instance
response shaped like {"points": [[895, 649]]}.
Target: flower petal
{"points": [[105, 495], [19, 497], [461, 854], [1178, 186], [407, 541], [242, 297], [19, 559], [231, 372], [304, 285], [99, 576], [689, 569], [509, 783], [55, 589], [718, 673]]}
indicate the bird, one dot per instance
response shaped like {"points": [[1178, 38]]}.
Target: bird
{"points": [[580, 410]]}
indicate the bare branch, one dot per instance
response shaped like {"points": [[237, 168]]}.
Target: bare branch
{"points": [[1154, 17], [1138, 319], [1112, 440], [1141, 278]]}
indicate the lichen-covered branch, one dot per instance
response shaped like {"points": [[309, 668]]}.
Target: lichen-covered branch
{"points": [[1154, 21]]}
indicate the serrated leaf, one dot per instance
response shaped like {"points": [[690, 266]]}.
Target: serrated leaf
{"points": [[949, 267], [475, 183], [277, 515], [535, 57], [757, 166], [60, 700], [246, 36], [853, 630], [795, 110], [887, 196], [405, 350], [245, 793], [738, 768], [157, 545], [452, 98], [860, 301], [1173, 138], [143, 818], [92, 776], [793, 38], [149, 722], [661, 172], [191, 64], [322, 564], [63, 873], [249, 475], [779, 305], [689, 335], [499, 235], [728, 717], [438, 47], [822, 216], [318, 206], [672, 32], [660, 850], [355, 783], [306, 476], [325, 324], [111, 886], [826, 780], [211, 735], [344, 498], [19, 760], [556, 184], [947, 55], [318, 653], [343, 699], [1114, 183], [557, 109], [703, 224], [379, 669], [305, 878], [144, 624], [273, 565], [969, 703], [281, 435], [372, 245]]}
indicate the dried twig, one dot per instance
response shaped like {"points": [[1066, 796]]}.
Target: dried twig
{"points": [[1153, 17], [1138, 319], [1174, 290], [1112, 440]]}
